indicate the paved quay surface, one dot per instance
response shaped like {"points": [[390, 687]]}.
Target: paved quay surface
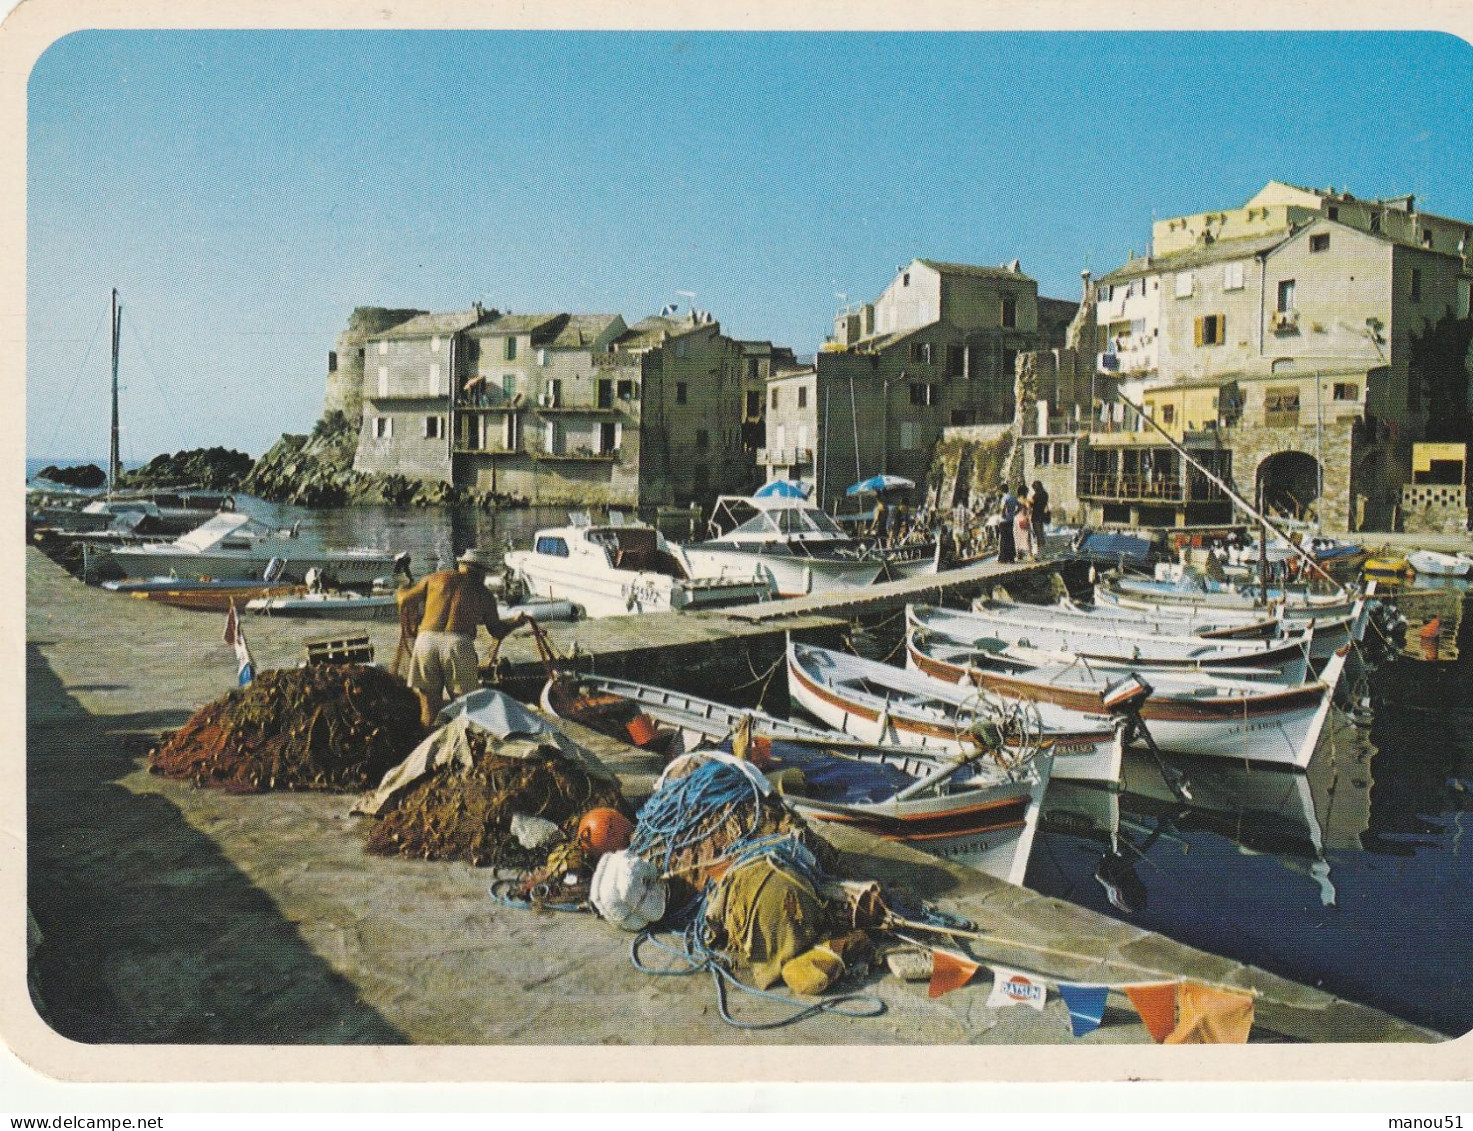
{"points": [[178, 915]]}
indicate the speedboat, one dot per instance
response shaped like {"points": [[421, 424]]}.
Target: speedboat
{"points": [[1250, 720], [233, 545], [794, 544], [620, 569], [885, 705], [967, 808]]}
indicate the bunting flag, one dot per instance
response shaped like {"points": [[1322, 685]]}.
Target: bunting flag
{"points": [[1012, 987], [1156, 1003], [1086, 1006], [950, 972], [235, 634], [1211, 1017]]}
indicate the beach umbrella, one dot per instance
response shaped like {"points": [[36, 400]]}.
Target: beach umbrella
{"points": [[783, 489], [878, 483]]}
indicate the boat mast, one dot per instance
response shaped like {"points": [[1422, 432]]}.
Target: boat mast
{"points": [[114, 464]]}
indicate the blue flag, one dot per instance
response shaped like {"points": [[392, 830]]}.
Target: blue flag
{"points": [[1086, 1006]]}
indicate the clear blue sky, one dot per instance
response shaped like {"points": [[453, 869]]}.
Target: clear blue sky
{"points": [[246, 190]]}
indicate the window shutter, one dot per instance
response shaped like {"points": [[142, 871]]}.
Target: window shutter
{"points": [[1221, 329], [1197, 331]]}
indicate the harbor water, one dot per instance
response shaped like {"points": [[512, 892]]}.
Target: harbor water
{"points": [[1353, 877]]}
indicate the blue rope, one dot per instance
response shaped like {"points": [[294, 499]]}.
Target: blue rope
{"points": [[678, 815]]}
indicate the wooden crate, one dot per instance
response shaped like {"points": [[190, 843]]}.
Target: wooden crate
{"points": [[340, 650]]}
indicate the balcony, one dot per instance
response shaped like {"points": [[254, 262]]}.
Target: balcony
{"points": [[581, 455], [1284, 322], [784, 457], [490, 400], [1146, 488], [489, 451]]}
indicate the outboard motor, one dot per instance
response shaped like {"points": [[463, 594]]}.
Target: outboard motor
{"points": [[1124, 699]]}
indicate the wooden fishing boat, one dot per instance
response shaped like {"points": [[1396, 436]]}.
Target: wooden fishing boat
{"points": [[1242, 719], [885, 705], [1044, 631], [1388, 565], [217, 598], [1209, 624], [963, 807]]}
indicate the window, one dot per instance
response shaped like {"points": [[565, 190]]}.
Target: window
{"points": [[754, 405], [544, 357], [703, 439], [608, 437], [383, 348], [1063, 453], [552, 393], [955, 361], [1334, 214], [1041, 453], [922, 394], [1426, 237], [1106, 292], [1232, 277], [552, 438], [802, 396], [1009, 362], [1184, 283], [921, 352], [1168, 414], [681, 391], [1320, 242], [552, 547], [434, 427], [905, 279], [1286, 296], [1281, 408], [772, 401], [1416, 288], [511, 348], [383, 380], [682, 347], [1210, 330], [1009, 312], [509, 385], [626, 391], [910, 435], [332, 361], [605, 393], [511, 432], [383, 427], [1346, 391], [435, 344], [754, 372]]}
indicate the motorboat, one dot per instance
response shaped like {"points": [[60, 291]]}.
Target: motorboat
{"points": [[884, 705], [621, 569], [962, 806], [233, 545], [1044, 631], [1436, 564], [796, 546], [1250, 720]]}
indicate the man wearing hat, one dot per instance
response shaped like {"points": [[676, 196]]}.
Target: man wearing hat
{"points": [[451, 604]]}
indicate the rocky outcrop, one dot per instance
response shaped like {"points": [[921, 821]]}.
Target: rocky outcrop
{"points": [[317, 471], [214, 469], [88, 475]]}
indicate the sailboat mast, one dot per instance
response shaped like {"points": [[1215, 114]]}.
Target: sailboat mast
{"points": [[114, 464]]}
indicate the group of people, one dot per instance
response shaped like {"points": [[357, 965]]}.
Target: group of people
{"points": [[1025, 514]]}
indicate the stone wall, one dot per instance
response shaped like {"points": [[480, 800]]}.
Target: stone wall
{"points": [[1334, 446], [1434, 509], [344, 391]]}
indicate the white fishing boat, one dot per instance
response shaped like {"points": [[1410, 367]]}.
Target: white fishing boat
{"points": [[796, 546], [235, 545], [885, 705], [617, 570], [1249, 720], [1041, 629], [961, 806], [1436, 564]]}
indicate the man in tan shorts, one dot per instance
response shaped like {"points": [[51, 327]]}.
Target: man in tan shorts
{"points": [[455, 602]]}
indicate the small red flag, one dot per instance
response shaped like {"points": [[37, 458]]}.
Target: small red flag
{"points": [[950, 972]]}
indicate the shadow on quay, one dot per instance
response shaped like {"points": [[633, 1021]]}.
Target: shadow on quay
{"points": [[151, 935]]}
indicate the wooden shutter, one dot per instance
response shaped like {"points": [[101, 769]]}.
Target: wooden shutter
{"points": [[1197, 331]]}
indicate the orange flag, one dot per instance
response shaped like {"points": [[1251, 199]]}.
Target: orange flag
{"points": [[1157, 1006], [950, 972], [1211, 1017]]}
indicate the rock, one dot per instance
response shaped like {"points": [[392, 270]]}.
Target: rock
{"points": [[88, 475], [215, 469]]}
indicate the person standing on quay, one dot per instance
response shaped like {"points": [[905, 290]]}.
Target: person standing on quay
{"points": [[1039, 517], [450, 605], [1007, 547], [1023, 525]]}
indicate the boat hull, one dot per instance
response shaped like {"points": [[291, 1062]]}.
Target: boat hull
{"points": [[789, 575]]}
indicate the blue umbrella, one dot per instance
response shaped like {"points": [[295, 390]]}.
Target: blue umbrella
{"points": [[783, 489], [877, 483]]}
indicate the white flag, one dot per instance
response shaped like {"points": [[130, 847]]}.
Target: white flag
{"points": [[1010, 987]]}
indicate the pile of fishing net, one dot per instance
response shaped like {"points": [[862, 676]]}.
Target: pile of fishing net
{"points": [[324, 726], [494, 786]]}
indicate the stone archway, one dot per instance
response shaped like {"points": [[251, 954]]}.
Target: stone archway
{"points": [[1289, 484]]}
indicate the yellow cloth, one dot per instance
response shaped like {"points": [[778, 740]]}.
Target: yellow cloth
{"points": [[814, 972], [1210, 1017], [767, 915]]}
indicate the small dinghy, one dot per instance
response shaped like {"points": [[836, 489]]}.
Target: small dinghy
{"points": [[1435, 564], [966, 807]]}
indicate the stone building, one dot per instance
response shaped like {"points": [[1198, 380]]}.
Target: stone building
{"points": [[1298, 345], [345, 361], [938, 348]]}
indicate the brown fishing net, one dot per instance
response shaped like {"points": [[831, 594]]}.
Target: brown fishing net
{"points": [[458, 814], [332, 727]]}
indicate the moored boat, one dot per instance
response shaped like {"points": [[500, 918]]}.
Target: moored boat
{"points": [[1437, 564], [1244, 719], [880, 704], [617, 570], [967, 808]]}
